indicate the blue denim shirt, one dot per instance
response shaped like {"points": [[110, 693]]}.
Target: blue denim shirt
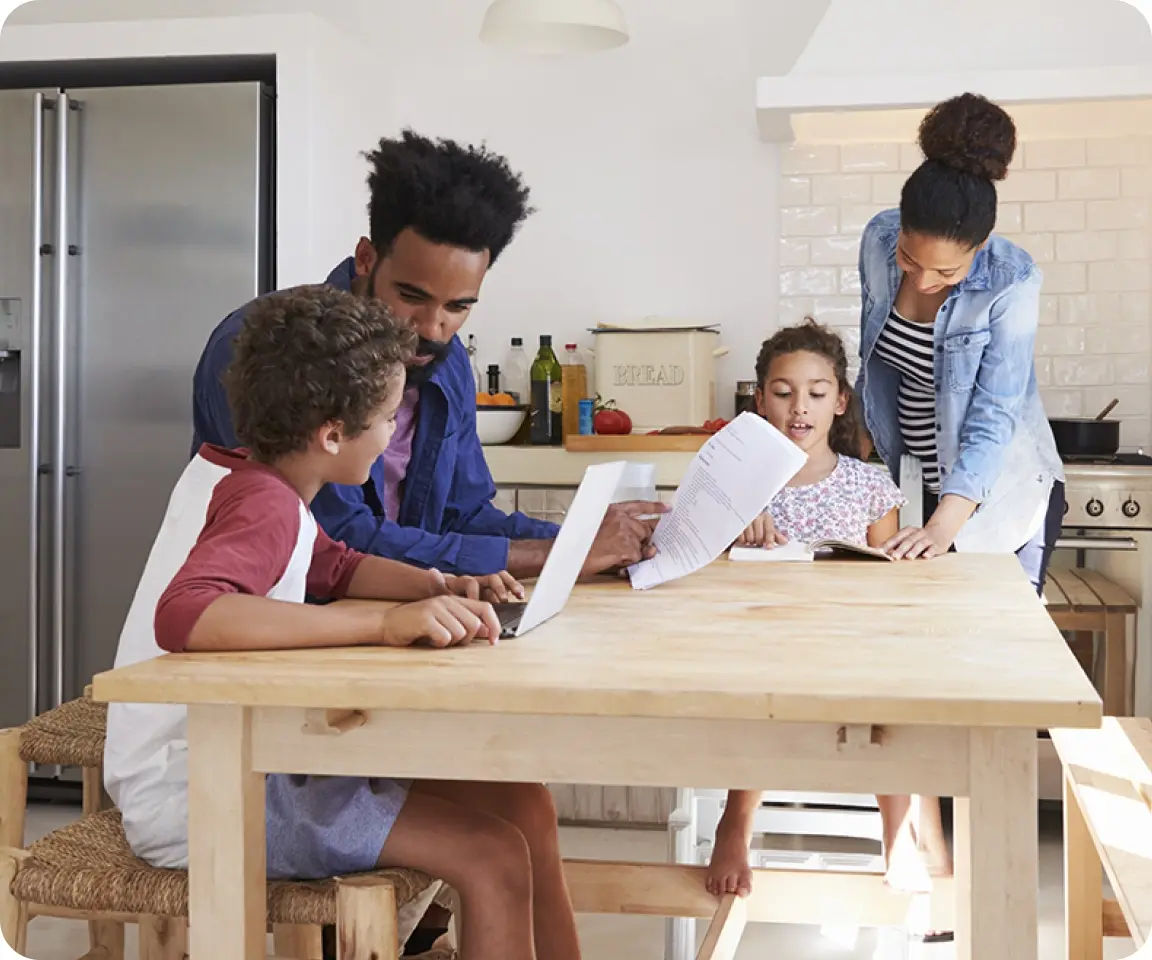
{"points": [[994, 443], [446, 520]]}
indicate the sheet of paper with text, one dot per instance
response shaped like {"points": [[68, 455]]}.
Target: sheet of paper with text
{"points": [[728, 484]]}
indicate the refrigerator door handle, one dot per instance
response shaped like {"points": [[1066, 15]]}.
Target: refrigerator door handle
{"points": [[60, 398], [39, 107]]}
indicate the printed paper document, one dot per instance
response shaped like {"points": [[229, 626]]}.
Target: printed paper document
{"points": [[728, 484]]}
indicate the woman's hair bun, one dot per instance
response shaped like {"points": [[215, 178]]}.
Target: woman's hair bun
{"points": [[971, 134]]}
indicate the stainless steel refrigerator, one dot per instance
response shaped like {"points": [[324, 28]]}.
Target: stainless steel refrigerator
{"points": [[132, 220]]}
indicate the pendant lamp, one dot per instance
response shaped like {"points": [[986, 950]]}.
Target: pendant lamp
{"points": [[554, 26]]}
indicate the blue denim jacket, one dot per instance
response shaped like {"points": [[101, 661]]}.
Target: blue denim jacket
{"points": [[446, 520], [994, 443]]}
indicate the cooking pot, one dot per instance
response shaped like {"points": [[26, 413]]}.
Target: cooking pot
{"points": [[1079, 437]]}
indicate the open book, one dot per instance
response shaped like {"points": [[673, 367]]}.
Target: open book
{"points": [[797, 552]]}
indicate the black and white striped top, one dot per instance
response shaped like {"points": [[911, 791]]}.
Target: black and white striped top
{"points": [[908, 347]]}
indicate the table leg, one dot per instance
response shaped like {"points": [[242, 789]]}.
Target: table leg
{"points": [[227, 896], [997, 849]]}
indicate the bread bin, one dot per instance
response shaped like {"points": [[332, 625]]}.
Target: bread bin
{"points": [[661, 375]]}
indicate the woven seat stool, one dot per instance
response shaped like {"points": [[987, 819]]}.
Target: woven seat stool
{"points": [[72, 735], [87, 871]]}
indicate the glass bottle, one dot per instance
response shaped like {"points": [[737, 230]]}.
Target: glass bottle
{"points": [[547, 397]]}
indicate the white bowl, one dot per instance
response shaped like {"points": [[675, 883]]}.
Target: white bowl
{"points": [[496, 426]]}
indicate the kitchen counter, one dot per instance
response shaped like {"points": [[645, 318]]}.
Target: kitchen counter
{"points": [[516, 466]]}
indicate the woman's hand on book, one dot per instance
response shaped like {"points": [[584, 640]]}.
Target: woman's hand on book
{"points": [[918, 543], [761, 532]]}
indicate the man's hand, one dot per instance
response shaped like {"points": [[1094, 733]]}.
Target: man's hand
{"points": [[495, 588], [439, 622], [623, 537], [761, 532]]}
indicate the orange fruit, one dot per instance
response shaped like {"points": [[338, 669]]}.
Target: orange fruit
{"points": [[484, 400], [503, 400]]}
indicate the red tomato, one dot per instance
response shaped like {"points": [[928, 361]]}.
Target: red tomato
{"points": [[612, 422]]}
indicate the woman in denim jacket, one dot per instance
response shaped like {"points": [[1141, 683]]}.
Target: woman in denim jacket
{"points": [[947, 331]]}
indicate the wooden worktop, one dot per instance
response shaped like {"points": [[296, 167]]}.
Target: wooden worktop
{"points": [[960, 641]]}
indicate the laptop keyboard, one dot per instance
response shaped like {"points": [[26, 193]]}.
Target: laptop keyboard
{"points": [[509, 615]]}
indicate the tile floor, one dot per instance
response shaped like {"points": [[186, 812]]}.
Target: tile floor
{"points": [[642, 938]]}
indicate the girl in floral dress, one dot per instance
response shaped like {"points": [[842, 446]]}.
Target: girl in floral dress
{"points": [[803, 392]]}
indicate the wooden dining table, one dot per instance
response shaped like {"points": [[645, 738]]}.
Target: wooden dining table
{"points": [[927, 678]]}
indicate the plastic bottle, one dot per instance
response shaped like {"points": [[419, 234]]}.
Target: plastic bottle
{"points": [[574, 389], [475, 361], [517, 376], [547, 397]]}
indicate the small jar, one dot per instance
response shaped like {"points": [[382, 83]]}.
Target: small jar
{"points": [[745, 396]]}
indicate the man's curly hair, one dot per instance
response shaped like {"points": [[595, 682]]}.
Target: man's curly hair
{"points": [[310, 356], [462, 196]]}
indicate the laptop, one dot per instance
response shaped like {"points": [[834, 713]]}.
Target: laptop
{"points": [[566, 559]]}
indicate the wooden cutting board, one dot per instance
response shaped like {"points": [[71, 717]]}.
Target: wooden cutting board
{"points": [[636, 443]]}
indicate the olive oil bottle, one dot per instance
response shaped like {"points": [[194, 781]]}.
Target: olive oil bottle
{"points": [[547, 378]]}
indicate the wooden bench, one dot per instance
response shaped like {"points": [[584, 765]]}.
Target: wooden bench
{"points": [[1107, 824], [816, 897], [1083, 600]]}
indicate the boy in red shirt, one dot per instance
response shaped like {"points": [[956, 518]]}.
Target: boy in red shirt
{"points": [[314, 387]]}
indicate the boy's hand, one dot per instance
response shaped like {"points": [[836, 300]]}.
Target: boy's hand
{"points": [[761, 532], [440, 622], [495, 588]]}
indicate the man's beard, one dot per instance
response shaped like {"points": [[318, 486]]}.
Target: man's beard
{"points": [[417, 375]]}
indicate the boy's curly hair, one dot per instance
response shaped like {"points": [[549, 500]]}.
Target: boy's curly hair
{"points": [[310, 356], [811, 337]]}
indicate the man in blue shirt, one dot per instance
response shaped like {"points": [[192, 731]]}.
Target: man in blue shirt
{"points": [[440, 214]]}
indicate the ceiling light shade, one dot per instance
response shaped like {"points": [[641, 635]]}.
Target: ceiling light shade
{"points": [[554, 26]]}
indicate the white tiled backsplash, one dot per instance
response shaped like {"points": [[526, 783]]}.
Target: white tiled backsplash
{"points": [[1081, 207]]}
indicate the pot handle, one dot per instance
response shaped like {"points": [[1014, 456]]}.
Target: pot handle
{"points": [[720, 352]]}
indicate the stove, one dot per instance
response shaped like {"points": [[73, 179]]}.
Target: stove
{"points": [[1113, 493]]}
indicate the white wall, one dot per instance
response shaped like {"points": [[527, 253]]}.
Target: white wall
{"points": [[654, 194], [320, 177], [931, 36]]}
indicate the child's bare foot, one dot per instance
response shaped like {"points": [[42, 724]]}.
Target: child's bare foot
{"points": [[728, 870], [906, 870]]}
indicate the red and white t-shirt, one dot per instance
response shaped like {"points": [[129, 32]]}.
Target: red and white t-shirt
{"points": [[232, 526]]}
